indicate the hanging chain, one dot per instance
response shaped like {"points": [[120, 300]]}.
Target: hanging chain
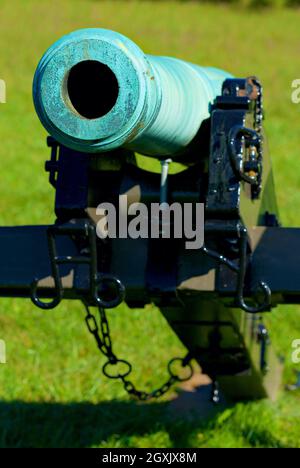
{"points": [[110, 368], [259, 108], [258, 121]]}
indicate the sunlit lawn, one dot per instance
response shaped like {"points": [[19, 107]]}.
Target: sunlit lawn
{"points": [[52, 391]]}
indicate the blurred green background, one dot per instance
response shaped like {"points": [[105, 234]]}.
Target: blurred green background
{"points": [[52, 392]]}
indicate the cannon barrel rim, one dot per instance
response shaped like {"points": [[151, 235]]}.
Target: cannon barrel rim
{"points": [[136, 97]]}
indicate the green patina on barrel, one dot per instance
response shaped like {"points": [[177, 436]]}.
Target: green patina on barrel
{"points": [[95, 90]]}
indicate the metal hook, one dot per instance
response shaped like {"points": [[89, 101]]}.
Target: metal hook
{"points": [[55, 274], [96, 279], [237, 158], [266, 303], [241, 272], [41, 304]]}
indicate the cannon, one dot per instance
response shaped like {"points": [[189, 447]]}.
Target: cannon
{"points": [[104, 102], [95, 91]]}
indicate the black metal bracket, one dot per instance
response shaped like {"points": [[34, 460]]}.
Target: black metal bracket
{"points": [[96, 280], [236, 152], [52, 165]]}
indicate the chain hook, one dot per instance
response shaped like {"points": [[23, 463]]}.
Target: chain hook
{"points": [[58, 288]]}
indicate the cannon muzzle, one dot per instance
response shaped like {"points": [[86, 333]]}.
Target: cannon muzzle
{"points": [[95, 90]]}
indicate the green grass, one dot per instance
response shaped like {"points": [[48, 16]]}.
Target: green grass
{"points": [[52, 391]]}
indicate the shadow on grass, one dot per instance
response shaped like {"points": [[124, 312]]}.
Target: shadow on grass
{"points": [[86, 424], [116, 422]]}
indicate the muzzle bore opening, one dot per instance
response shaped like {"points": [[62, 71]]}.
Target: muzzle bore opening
{"points": [[92, 89]]}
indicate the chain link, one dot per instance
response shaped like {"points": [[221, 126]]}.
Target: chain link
{"points": [[259, 113], [104, 344]]}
